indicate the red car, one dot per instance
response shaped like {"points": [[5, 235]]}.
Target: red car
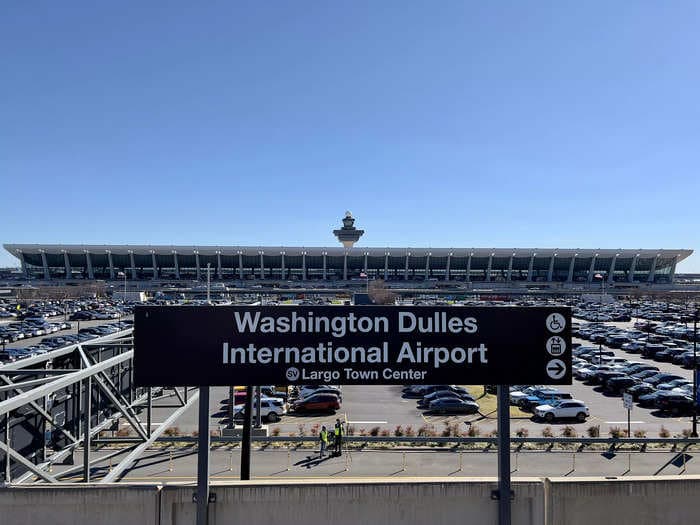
{"points": [[318, 403]]}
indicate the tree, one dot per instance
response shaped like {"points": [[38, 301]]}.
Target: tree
{"points": [[379, 293]]}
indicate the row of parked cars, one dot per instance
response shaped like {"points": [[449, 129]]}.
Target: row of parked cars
{"points": [[651, 340], [442, 399], [647, 385], [28, 328], [54, 342]]}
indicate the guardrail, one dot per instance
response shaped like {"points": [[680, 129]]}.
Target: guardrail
{"points": [[421, 440]]}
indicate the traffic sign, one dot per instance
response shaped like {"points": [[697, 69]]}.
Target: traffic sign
{"points": [[253, 345], [627, 401]]}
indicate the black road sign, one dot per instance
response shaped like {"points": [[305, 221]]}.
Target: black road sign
{"points": [[253, 345]]}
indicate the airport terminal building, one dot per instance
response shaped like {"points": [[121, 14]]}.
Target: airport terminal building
{"points": [[253, 263]]}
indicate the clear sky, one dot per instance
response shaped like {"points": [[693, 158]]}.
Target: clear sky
{"points": [[449, 124]]}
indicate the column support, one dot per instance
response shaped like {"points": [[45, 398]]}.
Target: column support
{"points": [[111, 265], [427, 267], [550, 271], [405, 272], [325, 276], [612, 269], [303, 266], [133, 264], [530, 267], [652, 270], [469, 268], [66, 262], [219, 271], [262, 266], [91, 271], [345, 267], [633, 267], [282, 269], [510, 268], [45, 264], [154, 261], [240, 266], [447, 267], [386, 266], [570, 276], [672, 274], [488, 268], [197, 266], [176, 263], [591, 269]]}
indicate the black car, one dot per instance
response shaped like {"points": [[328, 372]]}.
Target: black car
{"points": [[640, 389], [440, 394], [617, 385], [674, 402], [453, 405]]}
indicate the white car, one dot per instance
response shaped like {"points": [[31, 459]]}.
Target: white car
{"points": [[517, 395], [565, 408], [271, 409]]}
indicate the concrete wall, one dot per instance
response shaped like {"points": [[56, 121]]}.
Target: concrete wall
{"points": [[75, 504], [622, 501], [671, 500], [344, 502]]}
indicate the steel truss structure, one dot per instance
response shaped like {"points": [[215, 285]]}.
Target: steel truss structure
{"points": [[55, 403]]}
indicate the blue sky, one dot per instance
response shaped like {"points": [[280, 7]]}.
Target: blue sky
{"points": [[462, 124]]}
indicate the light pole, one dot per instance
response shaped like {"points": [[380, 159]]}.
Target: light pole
{"points": [[208, 283], [597, 317], [695, 373]]}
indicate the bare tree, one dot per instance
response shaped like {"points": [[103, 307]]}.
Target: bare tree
{"points": [[379, 293]]}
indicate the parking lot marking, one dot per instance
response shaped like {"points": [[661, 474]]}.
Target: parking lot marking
{"points": [[368, 422], [623, 422]]}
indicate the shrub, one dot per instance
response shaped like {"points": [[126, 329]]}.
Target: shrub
{"points": [[568, 432], [547, 432], [398, 431], [522, 432], [124, 432], [276, 431], [315, 429], [593, 431], [686, 433], [615, 432], [384, 432], [493, 434], [195, 433], [363, 432], [640, 433], [374, 431], [409, 432], [473, 431], [663, 432], [350, 430], [172, 431], [302, 429]]}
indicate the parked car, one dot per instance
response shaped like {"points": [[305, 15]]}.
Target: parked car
{"points": [[541, 397], [453, 405], [565, 408], [317, 403], [440, 394], [271, 409]]}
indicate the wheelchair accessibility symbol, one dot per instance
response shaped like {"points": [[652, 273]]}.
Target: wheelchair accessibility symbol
{"points": [[555, 323], [556, 345]]}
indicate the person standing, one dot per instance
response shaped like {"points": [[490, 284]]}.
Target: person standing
{"points": [[338, 434], [323, 436]]}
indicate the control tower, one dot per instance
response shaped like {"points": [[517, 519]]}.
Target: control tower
{"points": [[348, 235]]}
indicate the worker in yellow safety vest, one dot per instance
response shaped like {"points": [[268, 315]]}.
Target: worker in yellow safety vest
{"points": [[323, 436]]}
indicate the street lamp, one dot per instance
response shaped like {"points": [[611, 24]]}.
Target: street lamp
{"points": [[208, 283], [597, 317], [695, 373]]}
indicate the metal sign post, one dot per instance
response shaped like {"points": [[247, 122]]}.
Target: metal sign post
{"points": [[628, 403], [504, 493], [204, 441]]}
